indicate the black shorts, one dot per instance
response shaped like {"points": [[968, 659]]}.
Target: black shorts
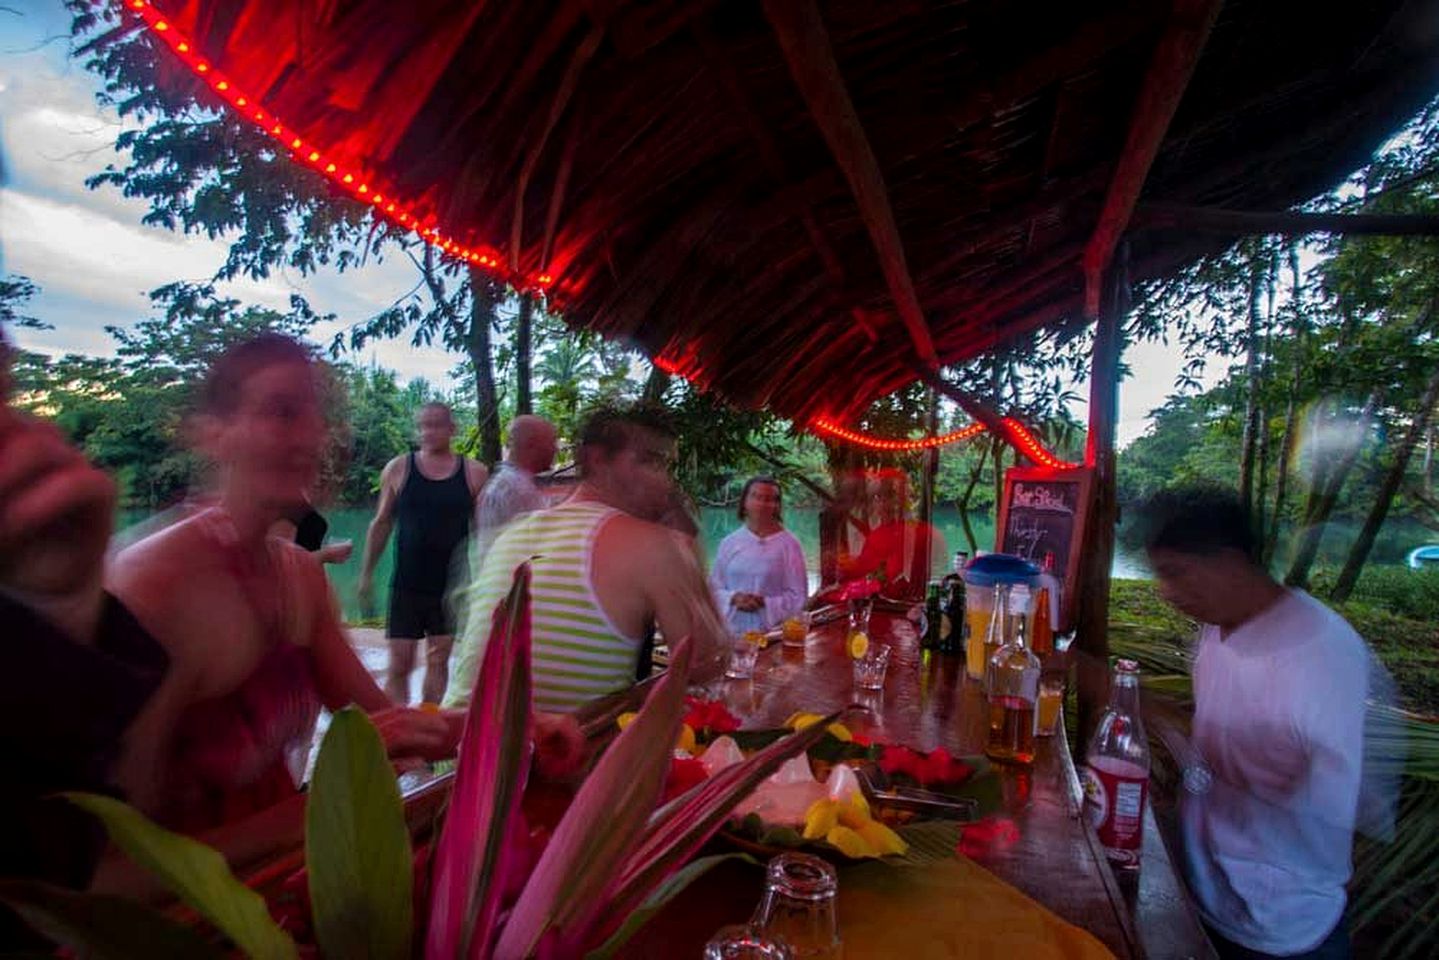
{"points": [[414, 616]]}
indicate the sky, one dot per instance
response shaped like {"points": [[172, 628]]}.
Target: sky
{"points": [[94, 260]]}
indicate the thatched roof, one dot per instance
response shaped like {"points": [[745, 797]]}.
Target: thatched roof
{"points": [[659, 159]]}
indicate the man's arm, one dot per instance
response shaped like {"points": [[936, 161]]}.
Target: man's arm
{"points": [[475, 476], [683, 605], [378, 534]]}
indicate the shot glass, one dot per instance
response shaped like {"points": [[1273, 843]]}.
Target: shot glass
{"points": [[799, 906], [859, 611], [1051, 697], [794, 630], [742, 941], [742, 657], [869, 670]]}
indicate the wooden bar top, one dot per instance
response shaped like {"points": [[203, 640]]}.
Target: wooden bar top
{"points": [[1051, 853]]}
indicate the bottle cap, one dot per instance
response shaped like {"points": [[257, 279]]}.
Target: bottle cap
{"points": [[996, 568]]}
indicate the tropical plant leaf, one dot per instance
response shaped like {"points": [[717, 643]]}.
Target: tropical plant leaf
{"points": [[673, 885], [589, 846], [194, 873], [474, 856], [103, 928], [682, 826], [357, 847]]}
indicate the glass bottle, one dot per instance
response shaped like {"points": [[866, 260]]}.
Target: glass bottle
{"points": [[1041, 634], [953, 642], [1000, 629], [934, 625], [1116, 773], [1013, 686], [799, 906]]}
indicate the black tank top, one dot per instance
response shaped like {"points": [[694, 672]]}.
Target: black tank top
{"points": [[433, 518]]}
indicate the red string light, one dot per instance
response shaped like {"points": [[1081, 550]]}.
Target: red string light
{"points": [[352, 180], [1015, 434]]}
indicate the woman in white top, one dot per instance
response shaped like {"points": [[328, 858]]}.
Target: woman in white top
{"points": [[759, 574]]}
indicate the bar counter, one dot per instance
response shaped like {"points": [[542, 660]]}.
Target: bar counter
{"points": [[1052, 854]]}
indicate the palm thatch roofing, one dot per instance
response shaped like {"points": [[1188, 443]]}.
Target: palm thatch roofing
{"points": [[723, 183]]}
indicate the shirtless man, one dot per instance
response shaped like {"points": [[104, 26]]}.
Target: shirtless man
{"points": [[248, 619], [604, 571], [431, 493]]}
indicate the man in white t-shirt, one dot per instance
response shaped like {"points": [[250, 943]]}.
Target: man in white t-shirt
{"points": [[1279, 687]]}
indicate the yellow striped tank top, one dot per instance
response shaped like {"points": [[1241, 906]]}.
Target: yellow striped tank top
{"points": [[578, 653]]}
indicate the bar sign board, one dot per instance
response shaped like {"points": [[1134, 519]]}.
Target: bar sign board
{"points": [[1044, 511]]}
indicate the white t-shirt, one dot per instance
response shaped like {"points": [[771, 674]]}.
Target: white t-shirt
{"points": [[1268, 852]]}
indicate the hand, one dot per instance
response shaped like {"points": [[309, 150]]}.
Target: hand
{"points": [[410, 733], [56, 512], [365, 594], [748, 602], [559, 745], [338, 552]]}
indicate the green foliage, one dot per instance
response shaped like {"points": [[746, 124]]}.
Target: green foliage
{"points": [[102, 927], [195, 874], [357, 846], [15, 292]]}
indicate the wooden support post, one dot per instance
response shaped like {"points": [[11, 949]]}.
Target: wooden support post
{"points": [[801, 34], [1092, 626], [1190, 22], [930, 479]]}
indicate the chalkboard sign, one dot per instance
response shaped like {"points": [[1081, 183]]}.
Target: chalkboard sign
{"points": [[1044, 511]]}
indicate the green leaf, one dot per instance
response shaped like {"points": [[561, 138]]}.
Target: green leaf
{"points": [[103, 928], [194, 873], [357, 847], [662, 895]]}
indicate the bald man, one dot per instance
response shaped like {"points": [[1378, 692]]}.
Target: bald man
{"points": [[512, 491]]}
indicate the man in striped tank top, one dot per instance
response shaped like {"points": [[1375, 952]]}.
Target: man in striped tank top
{"points": [[605, 572]]}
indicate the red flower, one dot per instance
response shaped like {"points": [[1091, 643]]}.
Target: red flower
{"points": [[711, 716], [684, 773], [859, 589], [936, 767]]}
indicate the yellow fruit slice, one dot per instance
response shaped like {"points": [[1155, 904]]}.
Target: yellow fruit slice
{"points": [[840, 732], [884, 840], [858, 644], [854, 814], [687, 739], [625, 719], [849, 843], [798, 721], [755, 638], [821, 817]]}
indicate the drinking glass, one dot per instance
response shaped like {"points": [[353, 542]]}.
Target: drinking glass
{"points": [[869, 670], [742, 657], [799, 906], [859, 610], [1051, 696], [741, 941], [795, 629]]}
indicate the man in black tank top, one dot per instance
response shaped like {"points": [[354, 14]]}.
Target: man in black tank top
{"points": [[431, 494]]}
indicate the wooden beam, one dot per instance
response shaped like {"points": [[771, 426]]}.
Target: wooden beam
{"points": [[1169, 71], [802, 37], [1282, 222]]}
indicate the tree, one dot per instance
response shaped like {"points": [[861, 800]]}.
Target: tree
{"points": [[203, 170]]}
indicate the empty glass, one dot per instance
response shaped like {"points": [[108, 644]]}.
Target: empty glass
{"points": [[799, 906], [859, 611], [742, 657], [869, 669], [743, 942]]}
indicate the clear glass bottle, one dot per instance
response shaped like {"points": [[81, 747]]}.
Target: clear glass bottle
{"points": [[1116, 773], [1013, 687], [799, 906], [999, 630]]}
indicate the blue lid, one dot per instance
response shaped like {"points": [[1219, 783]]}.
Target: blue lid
{"points": [[996, 568]]}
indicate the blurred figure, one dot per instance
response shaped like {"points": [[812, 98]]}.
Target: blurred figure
{"points": [[759, 575], [248, 619], [307, 526], [79, 668], [898, 550], [1280, 682], [604, 570], [431, 494], [511, 491]]}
